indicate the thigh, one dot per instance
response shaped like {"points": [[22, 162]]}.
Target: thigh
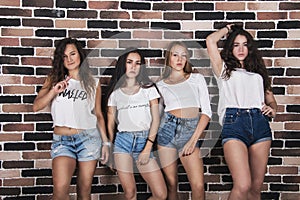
{"points": [[167, 155], [193, 166], [153, 176], [236, 156], [123, 162], [86, 172], [62, 170], [258, 156]]}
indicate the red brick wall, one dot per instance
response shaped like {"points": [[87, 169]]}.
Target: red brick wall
{"points": [[29, 29]]}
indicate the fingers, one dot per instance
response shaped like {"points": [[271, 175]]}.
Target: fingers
{"points": [[62, 85], [143, 159], [188, 150]]}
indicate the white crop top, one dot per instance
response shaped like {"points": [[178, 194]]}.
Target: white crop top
{"points": [[133, 110], [72, 107], [242, 90], [192, 92]]}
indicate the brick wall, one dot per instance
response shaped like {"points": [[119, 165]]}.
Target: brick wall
{"points": [[29, 29]]}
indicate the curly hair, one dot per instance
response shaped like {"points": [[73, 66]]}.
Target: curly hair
{"points": [[59, 72], [252, 63]]}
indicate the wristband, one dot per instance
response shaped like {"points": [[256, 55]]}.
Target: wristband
{"points": [[106, 144], [150, 140]]}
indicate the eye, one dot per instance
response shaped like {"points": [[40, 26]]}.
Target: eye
{"points": [[129, 62], [138, 63]]}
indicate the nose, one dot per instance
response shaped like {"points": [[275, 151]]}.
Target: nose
{"points": [[241, 49], [179, 58]]}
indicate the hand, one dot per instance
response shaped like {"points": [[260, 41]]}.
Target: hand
{"points": [[105, 154], [61, 86], [189, 147], [269, 111], [143, 158]]}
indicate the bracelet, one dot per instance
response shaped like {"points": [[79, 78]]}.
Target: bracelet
{"points": [[106, 144], [150, 140]]}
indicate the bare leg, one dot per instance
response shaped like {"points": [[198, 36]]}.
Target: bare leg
{"points": [[193, 166], [154, 178], [168, 159], [62, 171], [86, 172], [124, 166], [236, 155], [258, 154]]}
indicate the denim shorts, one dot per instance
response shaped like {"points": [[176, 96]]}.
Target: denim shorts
{"points": [[175, 132], [84, 146], [132, 143], [247, 125]]}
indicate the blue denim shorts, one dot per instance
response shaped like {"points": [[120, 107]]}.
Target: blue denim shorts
{"points": [[132, 143], [247, 125], [84, 146], [175, 132]]}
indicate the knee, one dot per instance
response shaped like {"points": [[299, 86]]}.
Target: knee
{"points": [[160, 195], [172, 184], [60, 191], [242, 188], [130, 193]]}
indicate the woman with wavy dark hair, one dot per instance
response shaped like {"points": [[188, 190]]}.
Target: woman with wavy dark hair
{"points": [[246, 102], [75, 100]]}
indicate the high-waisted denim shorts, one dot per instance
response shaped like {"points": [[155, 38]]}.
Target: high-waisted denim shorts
{"points": [[84, 146], [132, 143], [247, 125], [175, 132]]}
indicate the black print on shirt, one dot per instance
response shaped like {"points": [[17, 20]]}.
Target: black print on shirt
{"points": [[134, 106], [74, 94]]}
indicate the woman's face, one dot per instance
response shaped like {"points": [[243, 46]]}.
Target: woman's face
{"points": [[240, 48], [133, 65], [71, 57], [178, 57]]}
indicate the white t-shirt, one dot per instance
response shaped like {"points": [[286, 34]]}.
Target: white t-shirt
{"points": [[133, 111], [72, 107], [242, 90], [192, 92]]}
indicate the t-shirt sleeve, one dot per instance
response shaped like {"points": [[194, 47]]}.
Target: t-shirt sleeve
{"points": [[152, 93], [112, 99], [204, 97]]}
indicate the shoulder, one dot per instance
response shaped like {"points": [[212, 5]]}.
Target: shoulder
{"points": [[196, 78]]}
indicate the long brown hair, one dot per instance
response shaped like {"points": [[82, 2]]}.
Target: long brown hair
{"points": [[59, 72], [252, 63]]}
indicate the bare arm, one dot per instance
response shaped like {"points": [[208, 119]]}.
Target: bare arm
{"points": [[190, 145], [101, 125], [111, 122], [270, 107], [154, 108], [46, 94], [213, 51]]}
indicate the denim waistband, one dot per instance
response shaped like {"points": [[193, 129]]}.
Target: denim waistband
{"points": [[136, 133], [243, 110], [74, 136], [179, 120]]}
